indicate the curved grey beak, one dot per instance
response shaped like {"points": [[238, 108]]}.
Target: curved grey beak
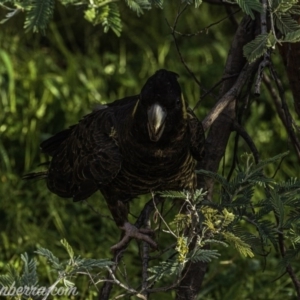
{"points": [[156, 121]]}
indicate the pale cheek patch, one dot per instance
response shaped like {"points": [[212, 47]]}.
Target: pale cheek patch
{"points": [[184, 113], [135, 108]]}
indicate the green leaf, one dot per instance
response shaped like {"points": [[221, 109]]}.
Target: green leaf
{"points": [[204, 255], [198, 3], [84, 264], [265, 162], [256, 48], [267, 232], [138, 6], [214, 176], [11, 14], [238, 243], [68, 248], [248, 5], [277, 206], [292, 37], [168, 267], [157, 3], [50, 256], [108, 15], [29, 276], [283, 6], [173, 194], [39, 13], [285, 23]]}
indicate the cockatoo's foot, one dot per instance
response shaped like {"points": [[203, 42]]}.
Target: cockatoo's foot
{"points": [[132, 231]]}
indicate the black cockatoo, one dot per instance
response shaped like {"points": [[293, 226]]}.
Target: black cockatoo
{"points": [[136, 145]]}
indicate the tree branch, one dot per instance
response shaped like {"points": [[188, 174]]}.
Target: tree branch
{"points": [[118, 254], [218, 136], [229, 96], [289, 120]]}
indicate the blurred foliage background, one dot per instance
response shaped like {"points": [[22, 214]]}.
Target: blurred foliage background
{"points": [[49, 82]]}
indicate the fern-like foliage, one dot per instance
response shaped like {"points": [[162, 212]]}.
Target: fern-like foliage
{"points": [[65, 270], [74, 264], [169, 267], [240, 245], [292, 37], [285, 27], [108, 15], [157, 3], [285, 23], [38, 14], [236, 203], [257, 47], [204, 255], [138, 6], [248, 6], [53, 260], [12, 282]]}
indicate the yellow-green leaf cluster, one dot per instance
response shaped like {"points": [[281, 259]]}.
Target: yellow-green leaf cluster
{"points": [[182, 221], [239, 244], [182, 249]]}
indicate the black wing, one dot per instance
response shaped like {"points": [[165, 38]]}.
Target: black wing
{"points": [[197, 135], [87, 158]]}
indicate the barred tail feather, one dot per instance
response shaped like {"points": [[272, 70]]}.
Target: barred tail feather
{"points": [[35, 175], [51, 145]]}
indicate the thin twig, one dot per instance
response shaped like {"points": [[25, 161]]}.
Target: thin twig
{"points": [[289, 268], [107, 287], [211, 89], [243, 133], [172, 246], [157, 211], [145, 258], [205, 29], [173, 28], [229, 96], [164, 289], [118, 254], [288, 117], [124, 286], [274, 95]]}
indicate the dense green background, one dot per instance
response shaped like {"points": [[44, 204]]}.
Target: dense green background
{"points": [[50, 82]]}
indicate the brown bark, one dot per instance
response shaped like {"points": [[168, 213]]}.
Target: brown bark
{"points": [[290, 54], [218, 137]]}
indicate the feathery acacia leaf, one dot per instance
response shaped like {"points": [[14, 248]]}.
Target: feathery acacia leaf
{"points": [[50, 257], [173, 194], [204, 255], [29, 276], [215, 176], [138, 6], [256, 48], [157, 3], [265, 162], [292, 37], [108, 15], [68, 248], [238, 243], [285, 23], [248, 5], [283, 6], [169, 267], [277, 206], [39, 13]]}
